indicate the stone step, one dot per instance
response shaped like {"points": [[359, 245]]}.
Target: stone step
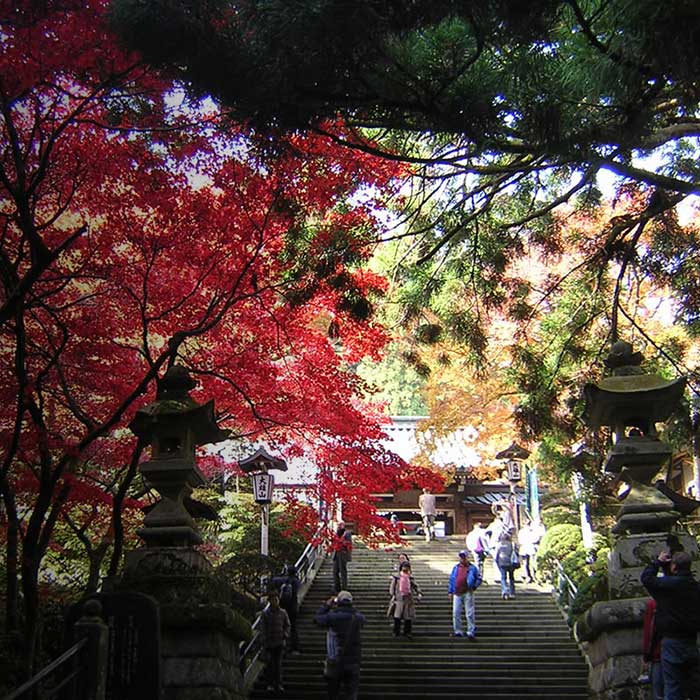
{"points": [[467, 687], [523, 649], [420, 667]]}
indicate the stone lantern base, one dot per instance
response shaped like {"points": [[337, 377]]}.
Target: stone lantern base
{"points": [[611, 631], [200, 632]]}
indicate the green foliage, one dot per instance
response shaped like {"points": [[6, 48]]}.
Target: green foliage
{"points": [[558, 542], [592, 589], [397, 384], [591, 580], [560, 515], [241, 562], [587, 569]]}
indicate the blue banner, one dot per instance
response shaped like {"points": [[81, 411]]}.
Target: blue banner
{"points": [[532, 494]]}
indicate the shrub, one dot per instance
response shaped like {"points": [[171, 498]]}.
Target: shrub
{"points": [[558, 542], [560, 515], [590, 590]]}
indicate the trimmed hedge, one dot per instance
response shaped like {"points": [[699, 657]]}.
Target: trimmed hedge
{"points": [[587, 569]]}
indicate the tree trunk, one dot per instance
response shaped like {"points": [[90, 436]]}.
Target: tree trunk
{"points": [[11, 578], [30, 592], [117, 524], [95, 557], [11, 559], [34, 543]]}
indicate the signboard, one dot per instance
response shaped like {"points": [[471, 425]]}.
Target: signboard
{"points": [[513, 468], [262, 487]]}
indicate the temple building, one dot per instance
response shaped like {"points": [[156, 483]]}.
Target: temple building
{"points": [[465, 499]]}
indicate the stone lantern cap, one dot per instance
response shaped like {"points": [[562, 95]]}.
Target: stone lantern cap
{"points": [[515, 451], [582, 458], [173, 404], [630, 398], [633, 400]]}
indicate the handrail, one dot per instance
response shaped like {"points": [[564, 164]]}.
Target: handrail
{"points": [[47, 670], [306, 566], [565, 587]]}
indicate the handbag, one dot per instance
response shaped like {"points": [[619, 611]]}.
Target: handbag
{"points": [[391, 608], [514, 559]]}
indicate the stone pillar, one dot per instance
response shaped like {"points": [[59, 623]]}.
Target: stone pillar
{"points": [[200, 631]]}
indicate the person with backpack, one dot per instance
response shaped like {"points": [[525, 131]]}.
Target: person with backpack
{"points": [[677, 621], [342, 554], [287, 586], [343, 645], [464, 580], [507, 560]]}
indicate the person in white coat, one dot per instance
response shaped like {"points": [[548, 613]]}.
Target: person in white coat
{"points": [[477, 544]]}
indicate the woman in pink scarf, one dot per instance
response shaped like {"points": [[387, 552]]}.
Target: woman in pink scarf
{"points": [[405, 592]]}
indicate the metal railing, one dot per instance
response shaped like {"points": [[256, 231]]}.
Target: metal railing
{"points": [[61, 672], [80, 672], [307, 566], [565, 588]]}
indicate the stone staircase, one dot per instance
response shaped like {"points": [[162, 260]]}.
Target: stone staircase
{"points": [[523, 648]]}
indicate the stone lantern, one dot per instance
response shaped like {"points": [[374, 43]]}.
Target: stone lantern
{"points": [[174, 425], [200, 633], [631, 403]]}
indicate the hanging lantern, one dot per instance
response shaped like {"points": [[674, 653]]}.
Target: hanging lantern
{"points": [[514, 469]]}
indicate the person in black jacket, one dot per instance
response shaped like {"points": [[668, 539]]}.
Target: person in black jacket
{"points": [[677, 597], [274, 631], [287, 586], [343, 645]]}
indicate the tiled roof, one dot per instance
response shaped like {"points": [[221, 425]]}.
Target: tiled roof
{"points": [[456, 448], [491, 497]]}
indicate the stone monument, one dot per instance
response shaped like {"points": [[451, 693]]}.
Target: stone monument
{"points": [[631, 403], [200, 632]]}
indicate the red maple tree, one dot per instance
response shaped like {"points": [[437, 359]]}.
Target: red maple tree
{"points": [[140, 229]]}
